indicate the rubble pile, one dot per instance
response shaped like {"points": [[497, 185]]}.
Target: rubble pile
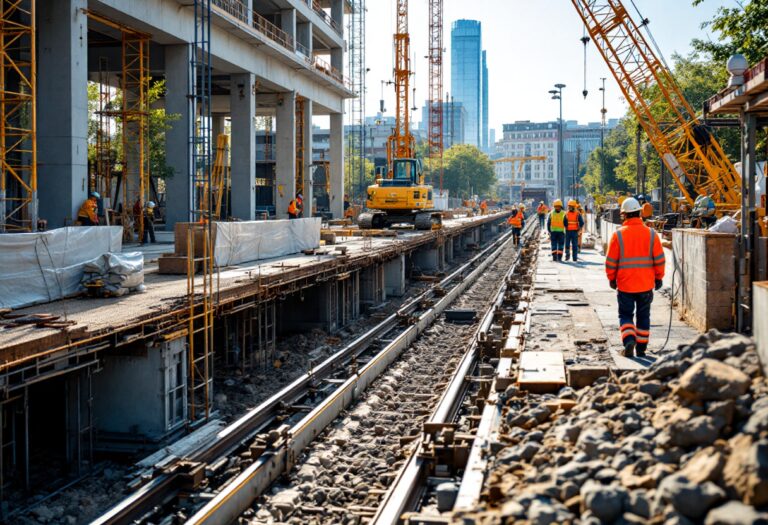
{"points": [[685, 441]]}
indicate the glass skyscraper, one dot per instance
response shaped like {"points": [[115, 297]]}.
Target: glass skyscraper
{"points": [[469, 79], [484, 125]]}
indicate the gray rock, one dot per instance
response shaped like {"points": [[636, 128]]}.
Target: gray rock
{"points": [[735, 513], [590, 440], [639, 503], [512, 509], [606, 475], [709, 379], [690, 500], [568, 490], [606, 503], [541, 513], [529, 450], [732, 346], [700, 430], [758, 422], [535, 436]]}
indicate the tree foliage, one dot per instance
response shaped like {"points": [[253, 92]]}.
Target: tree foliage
{"points": [[467, 171], [158, 122], [742, 29]]}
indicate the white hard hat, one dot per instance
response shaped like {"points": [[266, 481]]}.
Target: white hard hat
{"points": [[151, 204], [629, 205]]}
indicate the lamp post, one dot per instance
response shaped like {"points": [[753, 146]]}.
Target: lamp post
{"points": [[557, 94], [603, 111]]}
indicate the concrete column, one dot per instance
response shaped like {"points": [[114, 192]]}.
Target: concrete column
{"points": [[218, 126], [288, 21], [337, 59], [308, 182], [394, 276], [429, 259], [449, 250], [337, 12], [62, 109], [337, 165], [242, 105], [304, 31], [177, 71], [285, 154], [372, 290]]}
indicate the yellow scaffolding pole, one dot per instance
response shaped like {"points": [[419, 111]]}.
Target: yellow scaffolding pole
{"points": [[18, 116]]}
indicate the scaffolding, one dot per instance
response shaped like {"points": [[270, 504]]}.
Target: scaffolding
{"points": [[357, 135], [435, 139], [199, 233], [102, 180], [134, 181], [18, 117]]}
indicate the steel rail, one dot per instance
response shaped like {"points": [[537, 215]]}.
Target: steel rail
{"points": [[165, 486], [407, 487], [237, 497]]}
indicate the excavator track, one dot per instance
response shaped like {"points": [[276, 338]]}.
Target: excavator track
{"points": [[428, 221]]}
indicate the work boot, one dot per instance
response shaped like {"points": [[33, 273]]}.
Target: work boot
{"points": [[640, 350], [567, 256], [629, 349]]}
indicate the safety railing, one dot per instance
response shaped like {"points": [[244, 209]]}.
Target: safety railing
{"points": [[315, 5], [756, 70], [238, 10]]}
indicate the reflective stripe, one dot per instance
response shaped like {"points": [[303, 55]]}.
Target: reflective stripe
{"points": [[621, 244], [611, 266], [624, 336], [636, 265], [659, 256], [642, 332], [653, 240], [625, 326], [611, 259]]}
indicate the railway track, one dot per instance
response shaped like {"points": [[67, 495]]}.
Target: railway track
{"points": [[219, 482]]}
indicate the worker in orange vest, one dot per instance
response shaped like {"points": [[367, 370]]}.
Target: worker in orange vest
{"points": [[483, 207], [556, 227], [634, 265], [293, 210], [517, 222], [88, 213], [542, 211], [573, 222]]}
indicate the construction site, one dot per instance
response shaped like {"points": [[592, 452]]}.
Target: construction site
{"points": [[217, 307]]}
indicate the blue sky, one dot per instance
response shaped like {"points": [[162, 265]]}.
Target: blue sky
{"points": [[531, 44]]}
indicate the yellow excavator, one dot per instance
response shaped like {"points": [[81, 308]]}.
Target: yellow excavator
{"points": [[401, 196]]}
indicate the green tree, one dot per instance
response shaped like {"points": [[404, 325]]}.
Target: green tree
{"points": [[742, 29], [158, 122], [467, 171]]}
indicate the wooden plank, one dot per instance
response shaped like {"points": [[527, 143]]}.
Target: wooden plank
{"points": [[542, 371]]}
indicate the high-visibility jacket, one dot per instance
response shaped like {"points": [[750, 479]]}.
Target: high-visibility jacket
{"points": [[292, 210], [542, 209], [516, 221], [573, 221], [647, 211], [556, 221], [88, 210], [635, 258]]}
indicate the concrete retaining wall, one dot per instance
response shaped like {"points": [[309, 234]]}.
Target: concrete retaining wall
{"points": [[706, 266], [760, 327]]}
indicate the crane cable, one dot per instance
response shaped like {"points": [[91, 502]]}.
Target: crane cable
{"points": [[585, 41]]}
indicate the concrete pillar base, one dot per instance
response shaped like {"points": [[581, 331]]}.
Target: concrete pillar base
{"points": [[394, 276], [372, 289], [429, 259]]}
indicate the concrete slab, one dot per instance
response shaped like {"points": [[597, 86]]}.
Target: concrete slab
{"points": [[574, 310]]}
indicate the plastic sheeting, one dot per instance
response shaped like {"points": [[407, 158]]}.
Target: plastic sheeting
{"points": [[42, 267], [116, 273], [238, 242]]}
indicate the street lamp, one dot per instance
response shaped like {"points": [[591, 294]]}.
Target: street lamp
{"points": [[603, 111], [557, 94]]}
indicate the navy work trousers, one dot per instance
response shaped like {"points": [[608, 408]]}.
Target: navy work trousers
{"points": [[572, 244], [635, 317], [557, 239]]}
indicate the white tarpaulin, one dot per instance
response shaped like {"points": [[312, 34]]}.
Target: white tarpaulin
{"points": [[115, 274], [238, 242], [42, 267]]}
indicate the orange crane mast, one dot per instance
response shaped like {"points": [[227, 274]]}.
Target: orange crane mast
{"points": [[401, 143], [689, 150]]}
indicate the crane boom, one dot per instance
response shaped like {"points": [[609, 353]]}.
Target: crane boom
{"points": [[693, 156], [401, 143]]}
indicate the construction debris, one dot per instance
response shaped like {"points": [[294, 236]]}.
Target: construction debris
{"points": [[682, 442]]}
